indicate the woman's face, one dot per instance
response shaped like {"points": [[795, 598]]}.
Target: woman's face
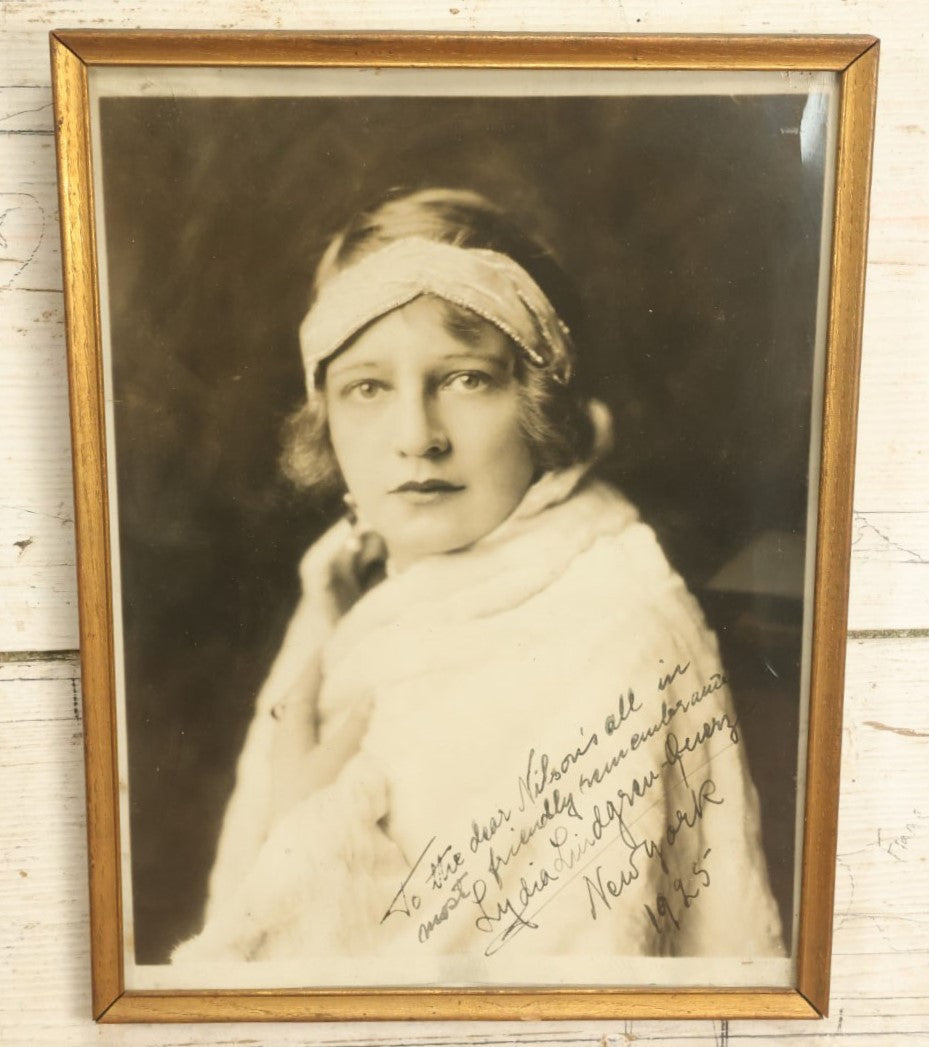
{"points": [[425, 428]]}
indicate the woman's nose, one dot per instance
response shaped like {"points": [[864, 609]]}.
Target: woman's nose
{"points": [[420, 431]]}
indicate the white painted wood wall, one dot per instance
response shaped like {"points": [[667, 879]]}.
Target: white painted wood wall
{"points": [[881, 962]]}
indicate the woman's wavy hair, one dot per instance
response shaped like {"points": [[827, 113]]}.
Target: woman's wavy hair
{"points": [[554, 417]]}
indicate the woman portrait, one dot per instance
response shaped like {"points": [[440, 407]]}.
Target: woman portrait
{"points": [[462, 579]]}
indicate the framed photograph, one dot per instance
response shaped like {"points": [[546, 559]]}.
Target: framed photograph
{"points": [[463, 438]]}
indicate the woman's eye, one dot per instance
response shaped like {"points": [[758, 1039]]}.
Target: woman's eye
{"points": [[364, 390], [468, 381]]}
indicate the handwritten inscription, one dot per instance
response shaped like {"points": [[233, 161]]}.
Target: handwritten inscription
{"points": [[612, 821]]}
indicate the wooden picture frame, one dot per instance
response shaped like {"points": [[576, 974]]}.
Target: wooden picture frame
{"points": [[850, 63]]}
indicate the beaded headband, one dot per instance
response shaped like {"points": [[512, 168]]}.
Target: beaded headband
{"points": [[487, 283]]}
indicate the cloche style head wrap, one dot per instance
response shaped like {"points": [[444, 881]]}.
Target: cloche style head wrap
{"points": [[487, 283]]}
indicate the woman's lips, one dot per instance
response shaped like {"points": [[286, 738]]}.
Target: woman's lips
{"points": [[428, 485], [421, 492]]}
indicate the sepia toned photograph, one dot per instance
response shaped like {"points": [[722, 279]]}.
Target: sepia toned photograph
{"points": [[462, 433], [461, 459]]}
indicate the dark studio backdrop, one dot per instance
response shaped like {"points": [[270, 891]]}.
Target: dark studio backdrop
{"points": [[692, 227]]}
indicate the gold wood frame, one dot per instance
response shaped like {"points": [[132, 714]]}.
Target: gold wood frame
{"points": [[855, 60]]}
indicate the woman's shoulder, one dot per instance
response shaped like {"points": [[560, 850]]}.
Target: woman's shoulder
{"points": [[622, 573], [620, 542]]}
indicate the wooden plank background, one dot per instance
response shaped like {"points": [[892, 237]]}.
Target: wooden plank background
{"points": [[881, 962]]}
